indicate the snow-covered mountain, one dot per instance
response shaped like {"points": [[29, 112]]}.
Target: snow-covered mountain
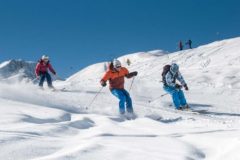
{"points": [[216, 65], [17, 70], [45, 125]]}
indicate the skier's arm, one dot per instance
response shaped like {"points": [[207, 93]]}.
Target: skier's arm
{"points": [[181, 79], [51, 69], [127, 74], [132, 74], [37, 69], [105, 78]]}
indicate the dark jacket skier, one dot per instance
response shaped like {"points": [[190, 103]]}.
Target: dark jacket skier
{"points": [[170, 86]]}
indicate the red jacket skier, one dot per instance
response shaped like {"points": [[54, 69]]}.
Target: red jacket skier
{"points": [[42, 71]]}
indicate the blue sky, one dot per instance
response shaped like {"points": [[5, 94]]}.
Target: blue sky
{"points": [[77, 33]]}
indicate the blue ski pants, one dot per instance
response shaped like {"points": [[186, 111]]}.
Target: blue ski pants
{"points": [[124, 98], [177, 96], [44, 76]]}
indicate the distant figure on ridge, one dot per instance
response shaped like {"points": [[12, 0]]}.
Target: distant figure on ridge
{"points": [[180, 45], [189, 43], [128, 62], [105, 66]]}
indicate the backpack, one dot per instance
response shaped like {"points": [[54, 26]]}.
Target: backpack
{"points": [[166, 69]]}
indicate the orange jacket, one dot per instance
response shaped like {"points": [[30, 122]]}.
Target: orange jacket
{"points": [[116, 78]]}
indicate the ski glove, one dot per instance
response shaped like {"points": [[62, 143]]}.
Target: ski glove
{"points": [[132, 74], [103, 83], [186, 87], [177, 86], [135, 73]]}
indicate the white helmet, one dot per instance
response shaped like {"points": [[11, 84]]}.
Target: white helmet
{"points": [[174, 68], [45, 57], [116, 63]]}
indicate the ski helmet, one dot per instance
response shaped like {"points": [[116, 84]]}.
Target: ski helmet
{"points": [[45, 57], [174, 68], [116, 63]]}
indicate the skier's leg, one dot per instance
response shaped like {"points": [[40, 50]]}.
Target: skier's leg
{"points": [[182, 98], [49, 80], [42, 79], [128, 102], [119, 94], [176, 100], [174, 93]]}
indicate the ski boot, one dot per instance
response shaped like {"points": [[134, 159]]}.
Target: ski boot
{"points": [[186, 107]]}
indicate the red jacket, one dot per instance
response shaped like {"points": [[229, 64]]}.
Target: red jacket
{"points": [[43, 68], [116, 78]]}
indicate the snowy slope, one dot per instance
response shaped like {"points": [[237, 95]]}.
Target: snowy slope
{"points": [[45, 125]]}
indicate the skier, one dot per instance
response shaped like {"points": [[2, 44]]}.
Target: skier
{"points": [[128, 62], [42, 71], [189, 43], [115, 75], [180, 45], [169, 75], [105, 66]]}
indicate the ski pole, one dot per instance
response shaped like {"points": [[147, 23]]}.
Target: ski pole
{"points": [[35, 79], [150, 101], [131, 84], [164, 94], [94, 99]]}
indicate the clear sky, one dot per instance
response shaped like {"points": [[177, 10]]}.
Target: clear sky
{"points": [[76, 33]]}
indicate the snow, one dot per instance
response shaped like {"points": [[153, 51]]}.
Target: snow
{"points": [[45, 125], [4, 64]]}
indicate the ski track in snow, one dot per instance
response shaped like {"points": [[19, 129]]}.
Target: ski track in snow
{"points": [[46, 125]]}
